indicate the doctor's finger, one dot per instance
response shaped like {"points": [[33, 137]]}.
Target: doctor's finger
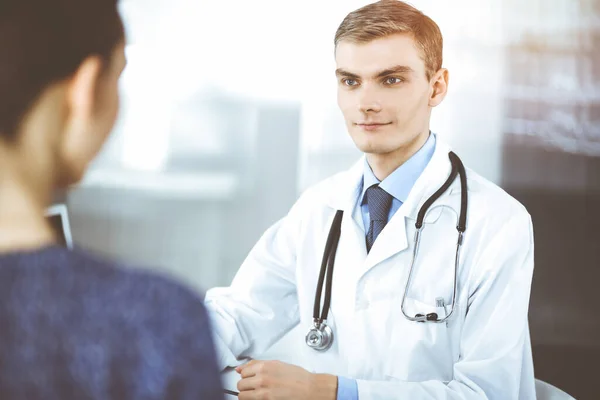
{"points": [[255, 368], [240, 368], [252, 383]]}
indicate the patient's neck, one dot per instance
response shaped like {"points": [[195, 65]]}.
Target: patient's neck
{"points": [[23, 225]]}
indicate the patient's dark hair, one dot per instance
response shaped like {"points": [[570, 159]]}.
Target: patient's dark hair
{"points": [[45, 41]]}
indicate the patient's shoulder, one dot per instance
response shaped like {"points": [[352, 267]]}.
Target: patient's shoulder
{"points": [[145, 289], [79, 311], [82, 283]]}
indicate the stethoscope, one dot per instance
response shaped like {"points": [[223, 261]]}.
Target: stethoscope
{"points": [[320, 335]]}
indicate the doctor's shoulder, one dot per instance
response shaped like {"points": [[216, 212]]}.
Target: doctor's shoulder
{"points": [[316, 197], [492, 208], [491, 197]]}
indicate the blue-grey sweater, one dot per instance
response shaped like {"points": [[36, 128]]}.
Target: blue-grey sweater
{"points": [[74, 326]]}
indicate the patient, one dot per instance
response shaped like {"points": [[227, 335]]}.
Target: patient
{"points": [[73, 325]]}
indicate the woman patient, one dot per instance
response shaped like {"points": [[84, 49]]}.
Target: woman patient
{"points": [[73, 325]]}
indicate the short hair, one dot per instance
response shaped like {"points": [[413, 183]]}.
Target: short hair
{"points": [[45, 41], [388, 17]]}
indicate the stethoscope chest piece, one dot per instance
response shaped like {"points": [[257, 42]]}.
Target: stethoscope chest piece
{"points": [[319, 336]]}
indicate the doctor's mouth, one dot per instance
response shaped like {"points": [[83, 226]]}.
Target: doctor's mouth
{"points": [[372, 126]]}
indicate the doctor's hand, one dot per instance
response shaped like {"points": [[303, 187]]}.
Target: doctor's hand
{"points": [[274, 380]]}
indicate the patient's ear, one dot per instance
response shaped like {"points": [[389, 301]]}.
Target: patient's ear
{"points": [[93, 102]]}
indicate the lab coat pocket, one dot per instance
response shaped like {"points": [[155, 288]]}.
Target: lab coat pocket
{"points": [[420, 351]]}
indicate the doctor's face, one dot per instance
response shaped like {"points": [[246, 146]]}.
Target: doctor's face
{"points": [[384, 93]]}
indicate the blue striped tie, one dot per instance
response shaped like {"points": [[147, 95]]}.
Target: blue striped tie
{"points": [[379, 202]]}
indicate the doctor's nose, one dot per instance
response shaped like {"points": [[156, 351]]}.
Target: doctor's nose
{"points": [[368, 103]]}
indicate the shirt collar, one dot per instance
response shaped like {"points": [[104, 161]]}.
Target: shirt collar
{"points": [[400, 182]]}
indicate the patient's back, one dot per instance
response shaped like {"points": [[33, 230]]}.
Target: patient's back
{"points": [[73, 326]]}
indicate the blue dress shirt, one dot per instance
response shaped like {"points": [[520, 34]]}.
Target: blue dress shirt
{"points": [[399, 184]]}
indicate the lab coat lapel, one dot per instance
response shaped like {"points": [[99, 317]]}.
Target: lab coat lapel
{"points": [[343, 193], [344, 190], [390, 241], [394, 237]]}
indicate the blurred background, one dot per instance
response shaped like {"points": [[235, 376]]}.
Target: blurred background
{"points": [[229, 111]]}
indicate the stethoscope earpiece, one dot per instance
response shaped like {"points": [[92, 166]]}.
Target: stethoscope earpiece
{"points": [[428, 317]]}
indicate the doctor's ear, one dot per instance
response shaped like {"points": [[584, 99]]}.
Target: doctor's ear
{"points": [[438, 87]]}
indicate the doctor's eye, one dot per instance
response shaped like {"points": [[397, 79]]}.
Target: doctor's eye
{"points": [[349, 82], [392, 80]]}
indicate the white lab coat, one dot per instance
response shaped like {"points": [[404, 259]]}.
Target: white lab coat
{"points": [[483, 352]]}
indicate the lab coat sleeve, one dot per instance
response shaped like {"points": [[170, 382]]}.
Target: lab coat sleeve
{"points": [[495, 342], [261, 304]]}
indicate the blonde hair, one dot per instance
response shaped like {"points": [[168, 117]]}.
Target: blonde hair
{"points": [[388, 17]]}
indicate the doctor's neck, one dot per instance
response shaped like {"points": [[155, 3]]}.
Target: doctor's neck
{"points": [[383, 163]]}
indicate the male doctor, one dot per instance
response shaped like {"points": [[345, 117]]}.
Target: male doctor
{"points": [[390, 76]]}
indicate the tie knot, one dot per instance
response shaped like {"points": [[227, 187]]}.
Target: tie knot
{"points": [[379, 202]]}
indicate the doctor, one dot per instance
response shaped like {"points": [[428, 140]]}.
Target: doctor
{"points": [[387, 318]]}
